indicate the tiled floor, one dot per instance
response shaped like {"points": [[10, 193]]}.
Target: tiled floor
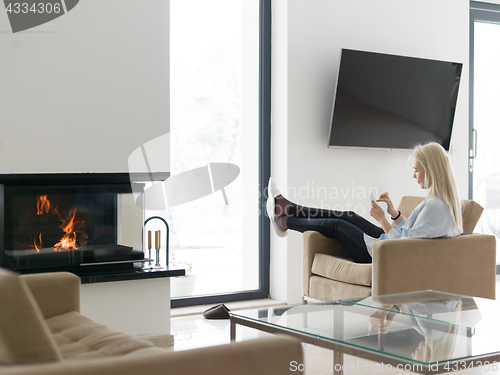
{"points": [[193, 331]]}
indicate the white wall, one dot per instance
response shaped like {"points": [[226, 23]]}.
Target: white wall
{"points": [[307, 40], [139, 308], [80, 93]]}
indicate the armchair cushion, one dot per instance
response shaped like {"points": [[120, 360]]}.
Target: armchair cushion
{"points": [[342, 269], [470, 215], [324, 289], [24, 334]]}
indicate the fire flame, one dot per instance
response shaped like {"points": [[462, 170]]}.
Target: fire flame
{"points": [[42, 205], [68, 241], [38, 245]]}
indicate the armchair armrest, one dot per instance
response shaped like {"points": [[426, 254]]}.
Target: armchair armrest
{"points": [[272, 355], [464, 265], [55, 292], [313, 243]]}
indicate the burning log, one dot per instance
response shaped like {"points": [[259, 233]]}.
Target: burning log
{"points": [[49, 228], [30, 228]]}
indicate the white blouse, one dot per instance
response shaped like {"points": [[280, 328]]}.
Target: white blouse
{"points": [[430, 219]]}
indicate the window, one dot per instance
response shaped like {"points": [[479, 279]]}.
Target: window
{"points": [[485, 115], [217, 116]]}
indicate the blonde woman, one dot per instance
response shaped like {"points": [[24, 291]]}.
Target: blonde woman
{"points": [[439, 215]]}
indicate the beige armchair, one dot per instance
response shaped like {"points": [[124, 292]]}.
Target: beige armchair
{"points": [[464, 265]]}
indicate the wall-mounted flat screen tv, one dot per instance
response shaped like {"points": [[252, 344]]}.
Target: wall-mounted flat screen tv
{"points": [[393, 102]]}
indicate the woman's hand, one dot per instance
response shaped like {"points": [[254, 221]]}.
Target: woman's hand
{"points": [[378, 214], [381, 320], [384, 197], [376, 211]]}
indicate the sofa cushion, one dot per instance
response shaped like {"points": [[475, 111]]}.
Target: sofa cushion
{"points": [[79, 337], [342, 269], [24, 335]]}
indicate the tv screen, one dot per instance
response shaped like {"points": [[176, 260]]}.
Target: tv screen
{"points": [[394, 102]]}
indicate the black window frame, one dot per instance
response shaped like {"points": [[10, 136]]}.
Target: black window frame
{"points": [[265, 24]]}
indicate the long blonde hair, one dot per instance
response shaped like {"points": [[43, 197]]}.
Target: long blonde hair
{"points": [[440, 179], [443, 348]]}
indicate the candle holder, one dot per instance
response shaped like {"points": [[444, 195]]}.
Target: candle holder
{"points": [[158, 240]]}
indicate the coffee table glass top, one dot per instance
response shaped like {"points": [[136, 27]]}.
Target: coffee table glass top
{"points": [[429, 327], [474, 312]]}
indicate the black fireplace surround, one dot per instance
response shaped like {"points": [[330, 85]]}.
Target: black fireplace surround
{"points": [[54, 222]]}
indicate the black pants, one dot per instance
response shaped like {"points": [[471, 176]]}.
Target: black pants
{"points": [[347, 227]]}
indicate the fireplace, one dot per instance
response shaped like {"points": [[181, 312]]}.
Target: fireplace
{"points": [[82, 223]]}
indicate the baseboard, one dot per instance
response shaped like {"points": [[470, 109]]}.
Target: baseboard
{"points": [[234, 306]]}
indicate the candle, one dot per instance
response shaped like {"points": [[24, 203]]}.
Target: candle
{"points": [[157, 239], [149, 239]]}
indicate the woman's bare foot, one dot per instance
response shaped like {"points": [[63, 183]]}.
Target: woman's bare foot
{"points": [[281, 206], [281, 222]]}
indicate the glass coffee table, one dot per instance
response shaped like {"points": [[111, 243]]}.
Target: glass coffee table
{"points": [[427, 332]]}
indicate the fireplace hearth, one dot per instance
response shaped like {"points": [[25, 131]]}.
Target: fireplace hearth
{"points": [[72, 222], [81, 258]]}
